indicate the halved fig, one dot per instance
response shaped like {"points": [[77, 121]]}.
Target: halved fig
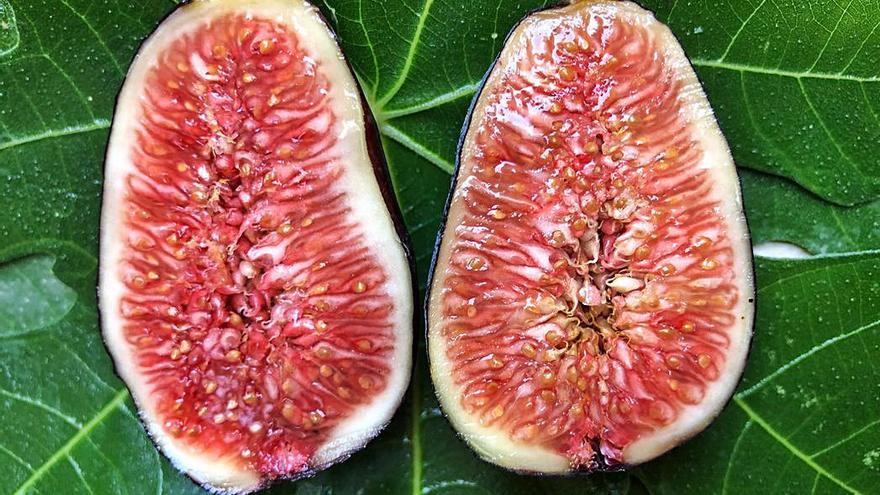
{"points": [[254, 289], [592, 298]]}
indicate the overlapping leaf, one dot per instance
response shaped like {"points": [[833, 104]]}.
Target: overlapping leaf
{"points": [[796, 88]]}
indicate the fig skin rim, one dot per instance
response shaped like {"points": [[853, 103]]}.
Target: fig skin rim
{"points": [[602, 465], [379, 165]]}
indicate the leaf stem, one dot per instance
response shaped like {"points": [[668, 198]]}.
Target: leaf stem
{"points": [[416, 433]]}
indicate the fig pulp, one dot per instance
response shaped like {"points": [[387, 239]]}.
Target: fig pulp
{"points": [[254, 290], [592, 298]]}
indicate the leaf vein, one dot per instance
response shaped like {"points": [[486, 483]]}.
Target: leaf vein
{"points": [[740, 30], [79, 473], [416, 436], [97, 124], [715, 64], [417, 147], [372, 49], [78, 359], [831, 137], [70, 420], [868, 101], [410, 55], [437, 101], [82, 433], [860, 48], [671, 11], [831, 35], [16, 458], [66, 76], [801, 357], [791, 447], [843, 229], [98, 36], [733, 453], [847, 439], [754, 121]]}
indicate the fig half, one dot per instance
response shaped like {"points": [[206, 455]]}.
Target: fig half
{"points": [[592, 296], [255, 292]]}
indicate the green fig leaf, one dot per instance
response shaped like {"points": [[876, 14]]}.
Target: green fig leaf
{"points": [[796, 90]]}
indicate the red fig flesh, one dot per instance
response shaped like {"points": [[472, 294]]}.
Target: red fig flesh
{"points": [[592, 300], [254, 291]]}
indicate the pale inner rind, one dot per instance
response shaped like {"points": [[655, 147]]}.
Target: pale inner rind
{"points": [[719, 163], [493, 443], [367, 211]]}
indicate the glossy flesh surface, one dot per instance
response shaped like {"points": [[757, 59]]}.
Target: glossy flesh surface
{"points": [[592, 299], [254, 292]]}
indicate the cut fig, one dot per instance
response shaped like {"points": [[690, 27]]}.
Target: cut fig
{"points": [[591, 304], [255, 290]]}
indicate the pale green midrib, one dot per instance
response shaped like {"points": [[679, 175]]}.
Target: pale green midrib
{"points": [[790, 447], [719, 64], [383, 116], [416, 437], [416, 147], [415, 402], [410, 55], [87, 428], [96, 125], [437, 101]]}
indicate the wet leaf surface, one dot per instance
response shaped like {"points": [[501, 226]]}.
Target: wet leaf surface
{"points": [[796, 89]]}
